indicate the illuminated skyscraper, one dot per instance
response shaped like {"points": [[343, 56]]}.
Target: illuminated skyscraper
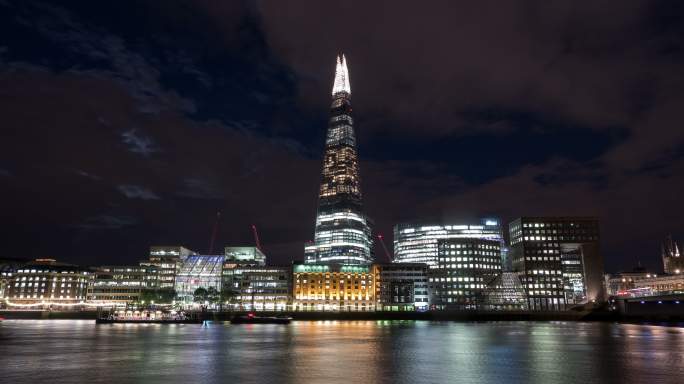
{"points": [[342, 234]]}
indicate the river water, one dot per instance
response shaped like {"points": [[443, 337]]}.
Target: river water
{"points": [[70, 351]]}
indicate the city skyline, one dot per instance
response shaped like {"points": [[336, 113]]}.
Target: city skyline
{"points": [[122, 135]]}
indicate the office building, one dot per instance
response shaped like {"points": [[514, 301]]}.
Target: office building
{"points": [[418, 243], [342, 234], [167, 260], [121, 285], [465, 267], [261, 288], [401, 287], [333, 287], [558, 260], [249, 255]]}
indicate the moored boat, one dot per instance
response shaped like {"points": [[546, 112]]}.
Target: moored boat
{"points": [[146, 317]]}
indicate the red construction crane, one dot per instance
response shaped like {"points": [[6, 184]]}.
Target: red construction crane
{"points": [[384, 247], [256, 237], [213, 233]]}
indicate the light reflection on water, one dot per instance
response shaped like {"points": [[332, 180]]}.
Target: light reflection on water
{"points": [[340, 352]]}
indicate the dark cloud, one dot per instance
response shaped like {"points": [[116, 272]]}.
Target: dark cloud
{"points": [[106, 222], [138, 143], [134, 128], [137, 192]]}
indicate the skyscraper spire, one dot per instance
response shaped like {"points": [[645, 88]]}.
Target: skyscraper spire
{"points": [[343, 234], [341, 83]]}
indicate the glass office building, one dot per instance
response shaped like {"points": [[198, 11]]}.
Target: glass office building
{"points": [[198, 271]]}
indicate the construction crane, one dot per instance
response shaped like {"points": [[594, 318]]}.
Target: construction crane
{"points": [[256, 238], [384, 247], [213, 233]]}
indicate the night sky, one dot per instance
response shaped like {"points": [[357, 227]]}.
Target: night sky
{"points": [[126, 124]]}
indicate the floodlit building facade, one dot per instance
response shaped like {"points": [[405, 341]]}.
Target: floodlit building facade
{"points": [[465, 267], [401, 287], [659, 285], [342, 234], [45, 281], [558, 260], [622, 283], [419, 243], [333, 287]]}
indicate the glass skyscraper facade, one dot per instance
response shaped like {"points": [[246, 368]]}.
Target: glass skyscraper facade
{"points": [[342, 234], [418, 243]]}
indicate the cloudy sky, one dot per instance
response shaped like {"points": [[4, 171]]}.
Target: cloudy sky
{"points": [[131, 123]]}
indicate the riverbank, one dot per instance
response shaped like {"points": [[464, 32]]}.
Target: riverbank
{"points": [[380, 316]]}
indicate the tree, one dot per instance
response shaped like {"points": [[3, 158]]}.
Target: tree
{"points": [[213, 296], [227, 295], [200, 295], [158, 296]]}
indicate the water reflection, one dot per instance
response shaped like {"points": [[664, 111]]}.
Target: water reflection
{"points": [[340, 352]]}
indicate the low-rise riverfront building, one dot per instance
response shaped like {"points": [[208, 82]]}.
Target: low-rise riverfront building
{"points": [[47, 282], [401, 287], [622, 283], [333, 287], [660, 285]]}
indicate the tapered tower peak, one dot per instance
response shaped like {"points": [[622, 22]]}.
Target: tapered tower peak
{"points": [[341, 83]]}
